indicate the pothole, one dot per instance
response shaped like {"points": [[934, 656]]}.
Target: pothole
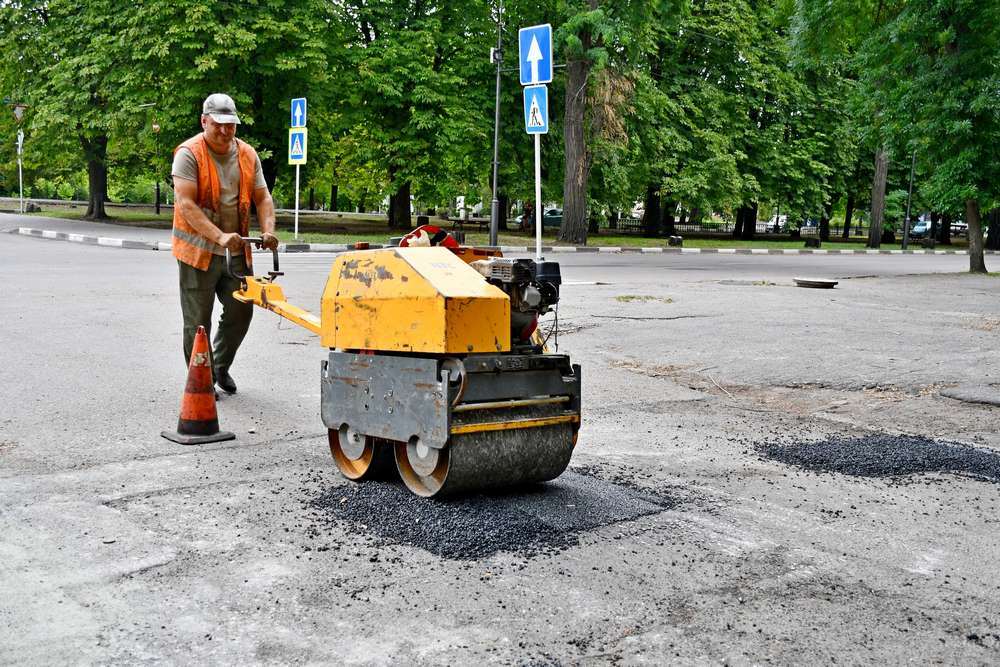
{"points": [[528, 521], [884, 455]]}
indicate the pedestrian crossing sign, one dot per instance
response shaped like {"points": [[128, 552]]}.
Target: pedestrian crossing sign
{"points": [[536, 109], [297, 145]]}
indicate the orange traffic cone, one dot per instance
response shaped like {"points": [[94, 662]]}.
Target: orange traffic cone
{"points": [[199, 422]]}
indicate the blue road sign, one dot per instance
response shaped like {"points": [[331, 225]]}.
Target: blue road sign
{"points": [[299, 112], [536, 109], [297, 145], [535, 54]]}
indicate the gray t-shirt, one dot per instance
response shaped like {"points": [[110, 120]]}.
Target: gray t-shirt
{"points": [[228, 168]]}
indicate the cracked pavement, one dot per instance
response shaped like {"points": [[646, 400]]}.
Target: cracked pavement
{"points": [[120, 547]]}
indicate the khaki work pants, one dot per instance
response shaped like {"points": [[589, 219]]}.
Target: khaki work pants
{"points": [[199, 290]]}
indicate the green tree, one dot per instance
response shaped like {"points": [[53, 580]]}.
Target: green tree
{"points": [[416, 93], [69, 62], [933, 72]]}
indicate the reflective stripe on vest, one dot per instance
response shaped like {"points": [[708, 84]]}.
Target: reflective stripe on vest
{"points": [[189, 245]]}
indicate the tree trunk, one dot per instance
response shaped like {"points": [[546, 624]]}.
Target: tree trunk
{"points": [[824, 222], [651, 214], [746, 222], [504, 201], [944, 229], [738, 223], [613, 219], [270, 168], [574, 222], [312, 199], [993, 238], [669, 224], [878, 198], [975, 232], [399, 208], [935, 229], [95, 152], [848, 215], [333, 197]]}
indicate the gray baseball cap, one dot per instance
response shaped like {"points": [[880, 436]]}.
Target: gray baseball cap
{"points": [[221, 108]]}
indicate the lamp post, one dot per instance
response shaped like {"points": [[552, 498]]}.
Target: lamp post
{"points": [[496, 56], [909, 201]]}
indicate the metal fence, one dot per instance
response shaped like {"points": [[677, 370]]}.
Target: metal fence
{"points": [[633, 226]]}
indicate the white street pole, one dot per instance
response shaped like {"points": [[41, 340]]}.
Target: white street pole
{"points": [[538, 197], [297, 202], [20, 172]]}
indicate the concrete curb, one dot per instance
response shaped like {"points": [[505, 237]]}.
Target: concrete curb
{"points": [[336, 247]]}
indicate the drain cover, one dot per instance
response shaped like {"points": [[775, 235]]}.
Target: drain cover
{"points": [[821, 283]]}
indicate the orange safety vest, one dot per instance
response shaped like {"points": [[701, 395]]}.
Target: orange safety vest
{"points": [[189, 245]]}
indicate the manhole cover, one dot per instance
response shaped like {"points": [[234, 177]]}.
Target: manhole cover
{"points": [[818, 283]]}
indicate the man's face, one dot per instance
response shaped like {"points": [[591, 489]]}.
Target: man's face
{"points": [[219, 135]]}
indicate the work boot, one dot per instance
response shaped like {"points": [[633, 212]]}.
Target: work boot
{"points": [[225, 381]]}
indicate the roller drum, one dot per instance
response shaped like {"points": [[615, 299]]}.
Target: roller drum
{"points": [[489, 460]]}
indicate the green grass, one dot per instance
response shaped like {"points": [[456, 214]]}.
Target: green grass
{"points": [[347, 228], [117, 216]]}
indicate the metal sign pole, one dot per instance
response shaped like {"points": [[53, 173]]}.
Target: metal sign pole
{"points": [[297, 202], [538, 197]]}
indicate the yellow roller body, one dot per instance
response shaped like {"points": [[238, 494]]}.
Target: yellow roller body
{"points": [[423, 300]]}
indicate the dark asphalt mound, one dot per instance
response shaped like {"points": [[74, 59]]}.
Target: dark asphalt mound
{"points": [[883, 455], [542, 518]]}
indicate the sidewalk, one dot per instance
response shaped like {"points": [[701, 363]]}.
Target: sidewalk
{"points": [[144, 238]]}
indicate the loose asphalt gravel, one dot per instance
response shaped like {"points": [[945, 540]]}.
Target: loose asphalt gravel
{"points": [[530, 521], [885, 455]]}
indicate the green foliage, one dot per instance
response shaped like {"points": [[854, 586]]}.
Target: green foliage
{"points": [[931, 76], [715, 104]]}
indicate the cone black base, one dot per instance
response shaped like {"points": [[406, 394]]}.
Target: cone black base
{"points": [[183, 439]]}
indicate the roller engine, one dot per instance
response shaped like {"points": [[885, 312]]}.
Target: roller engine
{"points": [[533, 288]]}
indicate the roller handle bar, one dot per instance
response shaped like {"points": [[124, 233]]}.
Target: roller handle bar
{"points": [[259, 242]]}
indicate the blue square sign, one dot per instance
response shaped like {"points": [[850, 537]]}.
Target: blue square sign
{"points": [[299, 112], [536, 109], [535, 54], [297, 145]]}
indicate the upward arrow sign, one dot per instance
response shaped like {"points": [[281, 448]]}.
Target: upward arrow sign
{"points": [[298, 115], [534, 55]]}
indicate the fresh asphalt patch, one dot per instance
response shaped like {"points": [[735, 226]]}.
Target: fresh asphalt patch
{"points": [[530, 521], [884, 455]]}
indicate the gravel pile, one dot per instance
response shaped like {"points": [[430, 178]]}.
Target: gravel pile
{"points": [[883, 455], [542, 518]]}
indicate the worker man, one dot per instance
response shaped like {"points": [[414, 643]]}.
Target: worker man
{"points": [[216, 176]]}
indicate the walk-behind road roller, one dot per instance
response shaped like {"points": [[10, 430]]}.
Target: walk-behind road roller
{"points": [[437, 369]]}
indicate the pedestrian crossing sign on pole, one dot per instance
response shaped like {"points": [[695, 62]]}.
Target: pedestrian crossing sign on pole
{"points": [[297, 145], [536, 109]]}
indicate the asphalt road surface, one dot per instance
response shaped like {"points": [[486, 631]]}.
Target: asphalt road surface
{"points": [[765, 474]]}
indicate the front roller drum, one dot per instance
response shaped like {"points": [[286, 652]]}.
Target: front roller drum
{"points": [[485, 460], [359, 456]]}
